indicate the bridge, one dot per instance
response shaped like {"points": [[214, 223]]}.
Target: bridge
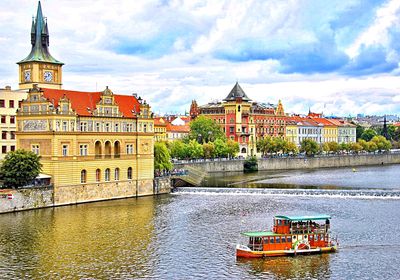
{"points": [[193, 176]]}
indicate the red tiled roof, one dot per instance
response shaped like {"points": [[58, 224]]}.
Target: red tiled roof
{"points": [[178, 128], [324, 121], [84, 103], [159, 122]]}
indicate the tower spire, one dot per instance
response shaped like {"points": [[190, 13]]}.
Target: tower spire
{"points": [[40, 40]]}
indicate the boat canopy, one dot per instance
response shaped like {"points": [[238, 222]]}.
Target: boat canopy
{"points": [[304, 218], [259, 233]]}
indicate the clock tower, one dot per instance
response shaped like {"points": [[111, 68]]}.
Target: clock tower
{"points": [[39, 67]]}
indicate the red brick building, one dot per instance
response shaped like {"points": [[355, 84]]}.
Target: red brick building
{"points": [[243, 120]]}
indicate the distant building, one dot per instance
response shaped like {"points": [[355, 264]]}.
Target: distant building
{"points": [[346, 131], [9, 102], [177, 132], [160, 129], [242, 120]]}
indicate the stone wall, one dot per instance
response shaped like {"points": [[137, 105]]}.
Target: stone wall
{"points": [[296, 163], [162, 185], [25, 199], [39, 197]]}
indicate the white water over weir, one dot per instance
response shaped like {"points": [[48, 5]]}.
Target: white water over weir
{"points": [[354, 194]]}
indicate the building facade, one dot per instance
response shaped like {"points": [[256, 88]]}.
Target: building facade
{"points": [[9, 102], [95, 144], [242, 120]]}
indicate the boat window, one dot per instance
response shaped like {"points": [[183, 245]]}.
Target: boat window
{"points": [[289, 239], [283, 239], [317, 237], [266, 240], [311, 237], [294, 236], [278, 239], [279, 222], [305, 236], [271, 240]]}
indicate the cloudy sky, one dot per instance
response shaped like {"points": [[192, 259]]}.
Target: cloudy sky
{"points": [[339, 57]]}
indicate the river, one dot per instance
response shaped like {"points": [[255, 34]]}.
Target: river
{"points": [[191, 234]]}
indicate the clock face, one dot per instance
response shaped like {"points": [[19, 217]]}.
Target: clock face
{"points": [[27, 76], [48, 76]]}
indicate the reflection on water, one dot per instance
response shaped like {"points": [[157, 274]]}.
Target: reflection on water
{"points": [[192, 234], [300, 267], [99, 239]]}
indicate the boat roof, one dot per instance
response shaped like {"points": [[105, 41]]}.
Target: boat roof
{"points": [[304, 218], [259, 233]]}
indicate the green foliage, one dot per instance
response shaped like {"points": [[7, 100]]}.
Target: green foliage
{"points": [[356, 147], [309, 146], [275, 145], [209, 150], [233, 148], [194, 150], [177, 149], [381, 143], [250, 164], [205, 130], [363, 144], [368, 134], [19, 168], [162, 158], [359, 131]]}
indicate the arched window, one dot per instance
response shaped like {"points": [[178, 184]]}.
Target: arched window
{"points": [[243, 150], [129, 175], [239, 108], [117, 149], [83, 176], [116, 174], [108, 149], [98, 175], [107, 175], [97, 149]]}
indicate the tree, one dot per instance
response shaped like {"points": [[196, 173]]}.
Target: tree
{"points": [[364, 144], [204, 130], [291, 148], [359, 131], [356, 147], [194, 150], [368, 134], [221, 148], [309, 146], [381, 143], [162, 157], [19, 168], [177, 149], [233, 148], [209, 150]]}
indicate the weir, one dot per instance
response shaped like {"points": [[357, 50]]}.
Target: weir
{"points": [[354, 194]]}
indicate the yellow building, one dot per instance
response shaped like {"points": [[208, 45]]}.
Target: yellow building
{"points": [[160, 129], [95, 145], [329, 131], [9, 101], [292, 131]]}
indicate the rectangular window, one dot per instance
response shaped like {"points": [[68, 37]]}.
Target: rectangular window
{"points": [[4, 135], [231, 129], [11, 104], [65, 126], [83, 150], [2, 103], [36, 149], [116, 127], [3, 149], [83, 126], [12, 148], [129, 149], [65, 150], [12, 119], [43, 108], [107, 127], [12, 135], [3, 119], [97, 127], [271, 240]]}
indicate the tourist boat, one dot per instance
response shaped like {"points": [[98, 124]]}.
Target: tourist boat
{"points": [[291, 235]]}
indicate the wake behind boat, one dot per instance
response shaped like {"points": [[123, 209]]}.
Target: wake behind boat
{"points": [[291, 235]]}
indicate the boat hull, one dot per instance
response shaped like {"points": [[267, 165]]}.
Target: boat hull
{"points": [[245, 252]]}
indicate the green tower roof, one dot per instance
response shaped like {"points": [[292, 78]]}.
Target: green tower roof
{"points": [[40, 41]]}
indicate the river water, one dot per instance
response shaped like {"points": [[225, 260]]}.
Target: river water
{"points": [[191, 234]]}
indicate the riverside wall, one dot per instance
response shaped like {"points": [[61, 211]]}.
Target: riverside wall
{"points": [[40, 197], [288, 163]]}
